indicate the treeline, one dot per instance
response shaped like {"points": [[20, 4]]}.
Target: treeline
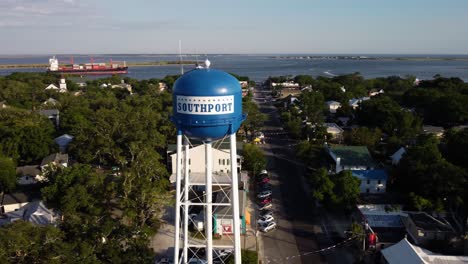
{"points": [[108, 216], [432, 174]]}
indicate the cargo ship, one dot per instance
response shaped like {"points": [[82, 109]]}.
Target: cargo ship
{"points": [[87, 68]]}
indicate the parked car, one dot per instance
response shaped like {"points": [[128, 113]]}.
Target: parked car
{"points": [[263, 172], [263, 180], [264, 194], [264, 201], [267, 206], [268, 227], [266, 212], [264, 187], [223, 253], [265, 219], [164, 261]]}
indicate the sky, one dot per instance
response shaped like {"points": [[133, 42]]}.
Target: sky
{"points": [[241, 26]]}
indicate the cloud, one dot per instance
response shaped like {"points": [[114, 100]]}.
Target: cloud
{"points": [[34, 13]]}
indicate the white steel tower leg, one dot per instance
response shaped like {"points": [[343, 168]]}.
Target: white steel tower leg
{"points": [[178, 194], [235, 200], [208, 201], [186, 199]]}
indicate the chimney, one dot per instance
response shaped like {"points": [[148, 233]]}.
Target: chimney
{"points": [[338, 164]]}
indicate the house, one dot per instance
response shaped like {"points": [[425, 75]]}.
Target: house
{"points": [[50, 101], [34, 212], [81, 84], [396, 157], [290, 100], [372, 181], [29, 175], [375, 92], [11, 202], [344, 120], [332, 106], [354, 103], [221, 161], [62, 88], [63, 142], [335, 131], [123, 85], [285, 92], [405, 252], [423, 228], [56, 159], [350, 158], [38, 214], [162, 86], [434, 130], [52, 114], [383, 220], [244, 84]]}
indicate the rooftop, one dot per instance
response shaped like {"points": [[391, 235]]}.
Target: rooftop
{"points": [[31, 170], [57, 157], [405, 252], [49, 112], [426, 222], [353, 155], [370, 174], [19, 197]]}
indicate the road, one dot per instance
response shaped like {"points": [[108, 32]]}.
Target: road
{"points": [[302, 227]]}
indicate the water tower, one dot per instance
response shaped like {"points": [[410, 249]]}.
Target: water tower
{"points": [[207, 106]]}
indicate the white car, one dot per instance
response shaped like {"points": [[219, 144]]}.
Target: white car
{"points": [[265, 219], [263, 172], [265, 206], [264, 194], [223, 253], [268, 227]]}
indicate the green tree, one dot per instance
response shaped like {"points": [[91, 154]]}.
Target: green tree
{"points": [[255, 119], [7, 174], [322, 186], [346, 189], [312, 105], [364, 136], [23, 242], [254, 159]]}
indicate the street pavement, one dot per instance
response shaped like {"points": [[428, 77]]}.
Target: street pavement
{"points": [[303, 228]]}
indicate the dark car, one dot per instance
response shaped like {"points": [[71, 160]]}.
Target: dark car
{"points": [[263, 180]]}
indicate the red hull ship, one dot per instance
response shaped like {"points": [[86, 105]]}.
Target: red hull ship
{"points": [[87, 68]]}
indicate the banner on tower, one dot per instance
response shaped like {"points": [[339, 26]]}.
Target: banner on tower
{"points": [[205, 105]]}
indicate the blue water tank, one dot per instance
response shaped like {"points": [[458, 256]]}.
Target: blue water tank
{"points": [[207, 104]]}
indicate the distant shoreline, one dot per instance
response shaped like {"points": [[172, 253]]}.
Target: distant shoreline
{"points": [[370, 58], [130, 64]]}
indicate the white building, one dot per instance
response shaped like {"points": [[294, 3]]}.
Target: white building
{"points": [[62, 85], [354, 103], [372, 181], [221, 161], [11, 202], [350, 158], [332, 106]]}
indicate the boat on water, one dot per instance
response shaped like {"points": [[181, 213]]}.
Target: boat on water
{"points": [[91, 68]]}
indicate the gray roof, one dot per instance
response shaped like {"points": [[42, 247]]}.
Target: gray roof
{"points": [[19, 197], [31, 170], [428, 223], [57, 158], [63, 140], [37, 213]]}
